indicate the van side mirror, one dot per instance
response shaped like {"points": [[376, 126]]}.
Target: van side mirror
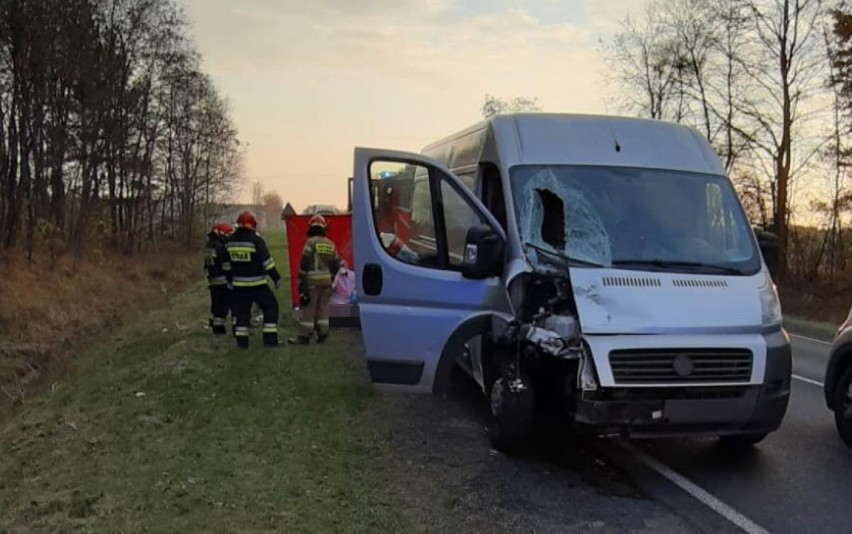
{"points": [[484, 253], [770, 248]]}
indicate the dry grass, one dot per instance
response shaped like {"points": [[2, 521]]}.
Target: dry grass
{"points": [[165, 428], [49, 314], [828, 303]]}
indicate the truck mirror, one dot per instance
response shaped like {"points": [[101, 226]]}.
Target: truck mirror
{"points": [[484, 253], [770, 248]]}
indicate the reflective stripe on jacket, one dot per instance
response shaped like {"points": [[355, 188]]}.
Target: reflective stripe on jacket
{"points": [[320, 261], [250, 260]]}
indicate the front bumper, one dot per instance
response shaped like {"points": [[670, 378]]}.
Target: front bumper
{"points": [[664, 412]]}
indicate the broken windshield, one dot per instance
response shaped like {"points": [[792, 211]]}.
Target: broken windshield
{"points": [[644, 219]]}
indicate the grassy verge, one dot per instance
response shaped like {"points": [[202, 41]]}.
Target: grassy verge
{"points": [[167, 429], [806, 327], [51, 310]]}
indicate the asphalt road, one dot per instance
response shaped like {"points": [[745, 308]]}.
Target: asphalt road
{"points": [[797, 480]]}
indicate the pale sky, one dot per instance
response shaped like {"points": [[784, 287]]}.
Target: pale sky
{"points": [[308, 80]]}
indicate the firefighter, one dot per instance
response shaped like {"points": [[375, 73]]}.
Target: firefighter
{"points": [[215, 267], [251, 264], [320, 262]]}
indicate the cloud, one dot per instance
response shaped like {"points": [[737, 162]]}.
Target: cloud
{"points": [[427, 41], [308, 80], [606, 15]]}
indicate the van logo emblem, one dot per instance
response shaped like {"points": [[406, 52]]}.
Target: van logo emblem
{"points": [[683, 365], [470, 253]]}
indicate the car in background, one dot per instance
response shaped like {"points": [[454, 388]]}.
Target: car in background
{"points": [[838, 380], [321, 209]]}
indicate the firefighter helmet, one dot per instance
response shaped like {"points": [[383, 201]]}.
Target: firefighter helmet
{"points": [[318, 220], [227, 228], [219, 229], [247, 220]]}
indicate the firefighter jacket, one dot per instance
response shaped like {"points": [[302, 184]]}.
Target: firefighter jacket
{"points": [[215, 260], [320, 262], [250, 261]]}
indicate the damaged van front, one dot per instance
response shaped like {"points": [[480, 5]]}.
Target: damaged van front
{"points": [[599, 271], [678, 323]]}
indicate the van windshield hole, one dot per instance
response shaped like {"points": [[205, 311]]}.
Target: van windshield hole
{"points": [[553, 220]]}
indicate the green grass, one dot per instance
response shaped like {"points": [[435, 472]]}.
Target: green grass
{"points": [[167, 429], [807, 327]]}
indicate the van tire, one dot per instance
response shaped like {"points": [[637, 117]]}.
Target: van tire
{"points": [[736, 442], [843, 407], [511, 417]]}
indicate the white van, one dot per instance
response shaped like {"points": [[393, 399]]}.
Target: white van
{"points": [[600, 268]]}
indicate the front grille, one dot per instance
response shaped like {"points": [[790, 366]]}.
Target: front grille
{"points": [[681, 366], [673, 393]]}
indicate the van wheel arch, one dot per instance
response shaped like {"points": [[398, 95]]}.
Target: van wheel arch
{"points": [[476, 325]]}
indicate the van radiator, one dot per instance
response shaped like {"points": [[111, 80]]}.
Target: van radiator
{"points": [[681, 366]]}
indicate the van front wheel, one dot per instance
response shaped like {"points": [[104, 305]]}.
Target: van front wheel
{"points": [[512, 410]]}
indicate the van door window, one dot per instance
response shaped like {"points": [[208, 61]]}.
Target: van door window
{"points": [[458, 217], [420, 217]]}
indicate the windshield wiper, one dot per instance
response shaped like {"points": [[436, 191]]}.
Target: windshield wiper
{"points": [[691, 265], [562, 256]]}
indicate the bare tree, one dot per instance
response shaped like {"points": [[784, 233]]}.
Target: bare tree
{"points": [[647, 65], [109, 132], [495, 106], [257, 193], [746, 73], [273, 205], [679, 61], [785, 62]]}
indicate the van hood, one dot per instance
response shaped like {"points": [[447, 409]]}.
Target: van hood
{"points": [[616, 301]]}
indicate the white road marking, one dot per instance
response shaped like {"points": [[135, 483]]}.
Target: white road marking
{"points": [[698, 492], [814, 340], [808, 380]]}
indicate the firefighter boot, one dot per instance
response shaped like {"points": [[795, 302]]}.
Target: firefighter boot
{"points": [[219, 326], [270, 334], [242, 337], [322, 296]]}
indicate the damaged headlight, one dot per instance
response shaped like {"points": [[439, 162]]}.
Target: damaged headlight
{"points": [[556, 337], [770, 304], [586, 378], [563, 326]]}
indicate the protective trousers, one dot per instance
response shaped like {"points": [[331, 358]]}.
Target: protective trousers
{"points": [[220, 305], [315, 314], [265, 299]]}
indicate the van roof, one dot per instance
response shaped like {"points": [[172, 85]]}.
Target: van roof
{"points": [[581, 139]]}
